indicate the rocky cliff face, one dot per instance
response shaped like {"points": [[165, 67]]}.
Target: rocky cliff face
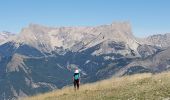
{"points": [[48, 39], [40, 58]]}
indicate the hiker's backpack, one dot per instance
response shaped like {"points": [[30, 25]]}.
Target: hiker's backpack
{"points": [[76, 76]]}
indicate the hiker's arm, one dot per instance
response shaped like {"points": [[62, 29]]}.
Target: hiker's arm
{"points": [[79, 78], [73, 78]]}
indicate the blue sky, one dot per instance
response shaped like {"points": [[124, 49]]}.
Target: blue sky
{"points": [[146, 16]]}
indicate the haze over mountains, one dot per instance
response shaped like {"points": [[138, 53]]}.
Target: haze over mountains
{"points": [[40, 58]]}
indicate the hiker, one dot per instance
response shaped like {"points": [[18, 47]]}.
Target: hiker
{"points": [[76, 79]]}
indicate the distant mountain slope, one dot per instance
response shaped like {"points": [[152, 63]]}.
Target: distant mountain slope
{"points": [[161, 40], [4, 36], [156, 63], [138, 87]]}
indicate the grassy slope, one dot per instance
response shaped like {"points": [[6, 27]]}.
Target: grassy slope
{"points": [[136, 87]]}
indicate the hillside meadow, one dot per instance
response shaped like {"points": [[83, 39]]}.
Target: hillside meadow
{"points": [[145, 86]]}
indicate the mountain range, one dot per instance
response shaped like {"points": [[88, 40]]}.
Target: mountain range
{"points": [[41, 58]]}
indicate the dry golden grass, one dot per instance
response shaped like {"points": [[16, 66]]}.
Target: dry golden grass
{"points": [[136, 87]]}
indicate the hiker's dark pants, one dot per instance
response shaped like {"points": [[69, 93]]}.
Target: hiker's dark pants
{"points": [[76, 83]]}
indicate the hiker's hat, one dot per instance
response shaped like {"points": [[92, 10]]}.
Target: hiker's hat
{"points": [[76, 71]]}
